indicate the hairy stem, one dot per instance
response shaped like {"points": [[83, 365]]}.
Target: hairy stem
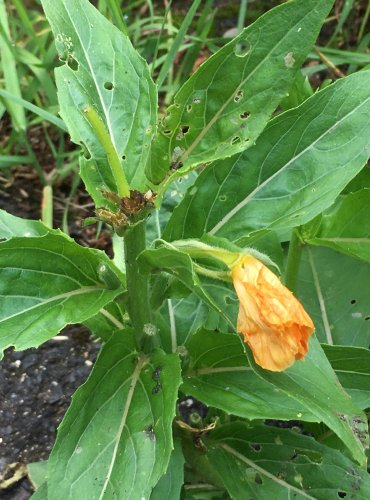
{"points": [[137, 284], [294, 260]]}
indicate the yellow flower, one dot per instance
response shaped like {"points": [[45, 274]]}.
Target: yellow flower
{"points": [[272, 321]]}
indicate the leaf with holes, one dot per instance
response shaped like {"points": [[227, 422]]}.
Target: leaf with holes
{"points": [[347, 229], [265, 462], [107, 98], [335, 291], [226, 103], [158, 218], [313, 383], [126, 408], [48, 282], [297, 168]]}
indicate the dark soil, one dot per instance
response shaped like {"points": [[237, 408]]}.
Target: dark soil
{"points": [[36, 386]]}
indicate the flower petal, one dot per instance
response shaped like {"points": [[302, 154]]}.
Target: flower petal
{"points": [[272, 321]]}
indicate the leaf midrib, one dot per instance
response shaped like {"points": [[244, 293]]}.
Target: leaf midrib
{"points": [[263, 471], [252, 195], [135, 378], [66, 295]]}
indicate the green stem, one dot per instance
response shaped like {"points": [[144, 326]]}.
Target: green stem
{"points": [[105, 139], [217, 275], [137, 284], [47, 206], [294, 260]]}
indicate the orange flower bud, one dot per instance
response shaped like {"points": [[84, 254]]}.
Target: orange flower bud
{"points": [[272, 321]]}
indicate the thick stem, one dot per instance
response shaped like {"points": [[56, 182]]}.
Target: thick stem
{"points": [[137, 284], [294, 260]]}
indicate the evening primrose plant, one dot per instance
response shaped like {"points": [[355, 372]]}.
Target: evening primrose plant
{"points": [[204, 197]]}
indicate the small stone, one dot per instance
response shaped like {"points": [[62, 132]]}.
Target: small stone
{"points": [[29, 360], [55, 393]]}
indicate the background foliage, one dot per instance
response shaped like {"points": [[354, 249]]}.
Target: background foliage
{"points": [[264, 157]]}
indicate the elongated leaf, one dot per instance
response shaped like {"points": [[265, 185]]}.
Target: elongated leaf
{"points": [[297, 168], [169, 486], [11, 226], [9, 70], [127, 413], [265, 463], [335, 291], [45, 115], [352, 366], [347, 229], [220, 375], [103, 72], [48, 282], [313, 383], [226, 104]]}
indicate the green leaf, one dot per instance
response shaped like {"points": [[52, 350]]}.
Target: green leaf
{"points": [[362, 180], [214, 116], [41, 493], [169, 486], [109, 319], [347, 229], [297, 168], [265, 462], [335, 291], [48, 282], [9, 71], [103, 72], [158, 218], [11, 226], [45, 115], [313, 383], [37, 473], [178, 319], [352, 366], [167, 258], [127, 413], [220, 375]]}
